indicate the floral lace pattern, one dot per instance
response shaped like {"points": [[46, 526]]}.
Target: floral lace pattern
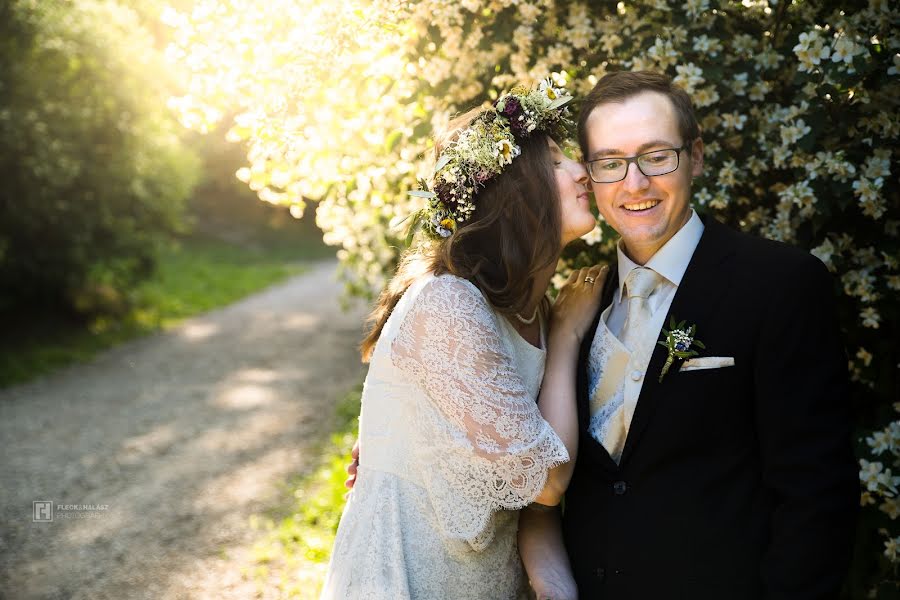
{"points": [[389, 547], [480, 432], [452, 442]]}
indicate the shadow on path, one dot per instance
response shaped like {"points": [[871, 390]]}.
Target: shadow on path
{"points": [[182, 436]]}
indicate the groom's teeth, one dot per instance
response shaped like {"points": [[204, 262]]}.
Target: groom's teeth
{"points": [[641, 206]]}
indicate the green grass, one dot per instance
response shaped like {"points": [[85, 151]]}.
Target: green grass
{"points": [[294, 549], [195, 275]]}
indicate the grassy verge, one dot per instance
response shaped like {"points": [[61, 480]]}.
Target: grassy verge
{"points": [[194, 276], [292, 554]]}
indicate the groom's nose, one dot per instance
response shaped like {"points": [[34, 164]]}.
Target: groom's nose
{"points": [[635, 181]]}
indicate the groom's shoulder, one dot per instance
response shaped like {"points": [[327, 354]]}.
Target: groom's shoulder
{"points": [[774, 258]]}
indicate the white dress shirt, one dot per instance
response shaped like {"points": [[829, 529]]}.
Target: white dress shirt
{"points": [[670, 261]]}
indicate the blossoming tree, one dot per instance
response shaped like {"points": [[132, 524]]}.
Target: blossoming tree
{"points": [[797, 100]]}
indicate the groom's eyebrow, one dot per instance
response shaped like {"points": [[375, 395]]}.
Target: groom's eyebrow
{"points": [[643, 147]]}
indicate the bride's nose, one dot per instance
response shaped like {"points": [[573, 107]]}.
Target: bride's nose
{"points": [[581, 175]]}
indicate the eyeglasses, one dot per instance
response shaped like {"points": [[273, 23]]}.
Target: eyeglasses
{"points": [[651, 164]]}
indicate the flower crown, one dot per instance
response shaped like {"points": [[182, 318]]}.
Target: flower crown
{"points": [[481, 151]]}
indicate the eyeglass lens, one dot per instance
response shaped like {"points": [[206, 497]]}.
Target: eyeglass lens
{"points": [[608, 170]]}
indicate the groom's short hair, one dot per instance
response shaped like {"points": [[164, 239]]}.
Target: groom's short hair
{"points": [[621, 85]]}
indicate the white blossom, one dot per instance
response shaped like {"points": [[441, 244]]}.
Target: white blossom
{"points": [[845, 49], [707, 45], [739, 84], [791, 134], [825, 252], [811, 50], [733, 120], [870, 198], [870, 317], [694, 8], [594, 236], [893, 70], [689, 77], [706, 96], [891, 547]]}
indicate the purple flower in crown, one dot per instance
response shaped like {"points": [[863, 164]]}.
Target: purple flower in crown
{"points": [[444, 192], [511, 108], [519, 127], [482, 176], [481, 151]]}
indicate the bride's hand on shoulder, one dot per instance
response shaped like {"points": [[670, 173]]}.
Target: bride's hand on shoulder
{"points": [[578, 302]]}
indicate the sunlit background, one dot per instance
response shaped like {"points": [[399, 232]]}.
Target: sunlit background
{"points": [[146, 142]]}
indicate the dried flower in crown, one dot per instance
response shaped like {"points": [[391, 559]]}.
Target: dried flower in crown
{"points": [[481, 151]]}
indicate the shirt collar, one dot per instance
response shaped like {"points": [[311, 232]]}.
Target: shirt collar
{"points": [[670, 261]]}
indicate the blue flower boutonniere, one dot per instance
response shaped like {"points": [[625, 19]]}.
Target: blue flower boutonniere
{"points": [[678, 342]]}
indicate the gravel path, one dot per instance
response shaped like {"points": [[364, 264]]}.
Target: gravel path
{"points": [[181, 436]]}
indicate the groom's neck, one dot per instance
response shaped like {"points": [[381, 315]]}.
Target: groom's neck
{"points": [[642, 253]]}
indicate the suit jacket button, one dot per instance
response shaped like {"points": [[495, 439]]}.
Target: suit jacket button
{"points": [[620, 487], [600, 572], [636, 375]]}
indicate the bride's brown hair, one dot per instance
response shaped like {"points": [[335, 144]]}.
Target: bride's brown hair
{"points": [[513, 234]]}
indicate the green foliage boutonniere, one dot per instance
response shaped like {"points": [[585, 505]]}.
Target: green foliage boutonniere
{"points": [[678, 342]]}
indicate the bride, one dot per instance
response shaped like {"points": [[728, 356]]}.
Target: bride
{"points": [[457, 432]]}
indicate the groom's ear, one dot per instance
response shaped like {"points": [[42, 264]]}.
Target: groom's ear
{"points": [[697, 157]]}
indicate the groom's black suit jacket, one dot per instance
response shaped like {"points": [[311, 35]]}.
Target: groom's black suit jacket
{"points": [[736, 482]]}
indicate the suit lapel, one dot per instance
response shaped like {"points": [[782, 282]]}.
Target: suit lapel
{"points": [[695, 301]]}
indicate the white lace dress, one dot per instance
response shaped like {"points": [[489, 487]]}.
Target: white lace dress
{"points": [[451, 445]]}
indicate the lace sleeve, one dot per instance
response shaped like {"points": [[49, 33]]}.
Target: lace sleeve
{"points": [[482, 441]]}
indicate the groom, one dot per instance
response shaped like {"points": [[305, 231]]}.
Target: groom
{"points": [[731, 476]]}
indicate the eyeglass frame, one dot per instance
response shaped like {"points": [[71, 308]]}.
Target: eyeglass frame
{"points": [[634, 159]]}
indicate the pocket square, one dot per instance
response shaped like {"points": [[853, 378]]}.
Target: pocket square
{"points": [[707, 362]]}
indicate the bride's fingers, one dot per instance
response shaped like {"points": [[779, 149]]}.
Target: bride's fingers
{"points": [[599, 273]]}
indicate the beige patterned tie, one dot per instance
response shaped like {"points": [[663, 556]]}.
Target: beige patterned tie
{"points": [[639, 284]]}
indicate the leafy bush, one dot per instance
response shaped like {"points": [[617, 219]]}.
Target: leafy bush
{"points": [[94, 171], [798, 103]]}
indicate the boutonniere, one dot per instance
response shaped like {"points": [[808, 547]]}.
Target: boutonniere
{"points": [[678, 342]]}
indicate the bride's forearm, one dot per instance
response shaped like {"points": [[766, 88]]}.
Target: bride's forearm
{"points": [[544, 554], [557, 405]]}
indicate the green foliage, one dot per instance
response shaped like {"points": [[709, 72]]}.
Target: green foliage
{"points": [[798, 103], [193, 276], [95, 173]]}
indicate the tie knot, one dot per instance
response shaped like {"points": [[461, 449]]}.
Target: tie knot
{"points": [[641, 282]]}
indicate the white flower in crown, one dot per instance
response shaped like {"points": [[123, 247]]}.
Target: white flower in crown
{"points": [[443, 224], [481, 151], [506, 151], [549, 90]]}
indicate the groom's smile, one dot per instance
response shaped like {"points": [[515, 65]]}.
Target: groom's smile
{"points": [[641, 206], [645, 210]]}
